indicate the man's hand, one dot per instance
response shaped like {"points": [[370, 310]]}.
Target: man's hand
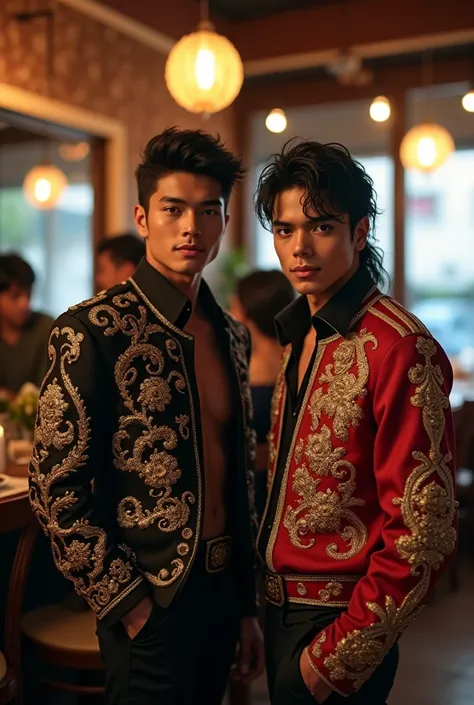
{"points": [[251, 660], [135, 620], [316, 686]]}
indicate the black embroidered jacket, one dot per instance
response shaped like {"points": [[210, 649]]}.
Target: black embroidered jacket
{"points": [[117, 477]]}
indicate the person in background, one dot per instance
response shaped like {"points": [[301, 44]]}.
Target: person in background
{"points": [[23, 333], [259, 297], [117, 259]]}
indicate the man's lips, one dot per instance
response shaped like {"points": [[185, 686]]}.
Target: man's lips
{"points": [[305, 268], [189, 248]]}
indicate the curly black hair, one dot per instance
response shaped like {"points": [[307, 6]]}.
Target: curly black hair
{"points": [[334, 183]]}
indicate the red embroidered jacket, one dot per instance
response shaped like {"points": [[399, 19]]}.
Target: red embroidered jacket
{"points": [[366, 508]]}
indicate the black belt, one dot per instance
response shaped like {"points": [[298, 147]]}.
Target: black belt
{"points": [[214, 555]]}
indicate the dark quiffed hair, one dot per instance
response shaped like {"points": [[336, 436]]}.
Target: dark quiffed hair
{"points": [[262, 295], [14, 270], [123, 248], [192, 151], [334, 183]]}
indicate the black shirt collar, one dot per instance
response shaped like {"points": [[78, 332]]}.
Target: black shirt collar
{"points": [[171, 302], [335, 316]]}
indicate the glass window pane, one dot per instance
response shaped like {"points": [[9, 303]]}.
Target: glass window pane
{"points": [[56, 243], [439, 245]]}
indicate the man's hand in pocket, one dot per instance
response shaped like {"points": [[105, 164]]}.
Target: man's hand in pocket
{"points": [[316, 686], [135, 620]]}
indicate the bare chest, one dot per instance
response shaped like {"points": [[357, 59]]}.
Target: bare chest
{"points": [[212, 378]]}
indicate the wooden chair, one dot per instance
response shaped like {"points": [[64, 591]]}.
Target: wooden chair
{"points": [[9, 688], [59, 636], [464, 430]]}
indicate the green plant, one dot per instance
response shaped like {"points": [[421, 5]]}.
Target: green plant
{"points": [[22, 410], [233, 265]]}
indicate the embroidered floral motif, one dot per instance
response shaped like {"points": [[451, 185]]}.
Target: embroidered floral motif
{"points": [[239, 345], [79, 549], [140, 446], [329, 511], [332, 589], [427, 508]]}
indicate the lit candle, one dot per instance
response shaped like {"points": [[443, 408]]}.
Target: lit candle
{"points": [[3, 451]]}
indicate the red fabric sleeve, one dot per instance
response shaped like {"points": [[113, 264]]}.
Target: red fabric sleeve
{"points": [[414, 470]]}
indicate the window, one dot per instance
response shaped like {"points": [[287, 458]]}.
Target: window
{"points": [[56, 243], [439, 231]]}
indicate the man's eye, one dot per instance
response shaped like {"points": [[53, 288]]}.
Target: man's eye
{"points": [[210, 211]]}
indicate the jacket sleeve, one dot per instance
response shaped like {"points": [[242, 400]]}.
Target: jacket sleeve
{"points": [[246, 544], [414, 470], [70, 448]]}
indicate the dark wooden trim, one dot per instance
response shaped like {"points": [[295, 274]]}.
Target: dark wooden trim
{"points": [[397, 132], [291, 92], [98, 147], [239, 204]]}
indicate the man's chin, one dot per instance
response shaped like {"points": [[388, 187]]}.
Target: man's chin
{"points": [[309, 288]]}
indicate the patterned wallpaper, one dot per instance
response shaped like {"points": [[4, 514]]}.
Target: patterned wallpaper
{"points": [[100, 70]]}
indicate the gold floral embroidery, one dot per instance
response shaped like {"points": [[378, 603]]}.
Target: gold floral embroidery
{"points": [[239, 344], [140, 446], [90, 302], [165, 578], [183, 425], [299, 451], [339, 402], [428, 510], [329, 511], [332, 589], [316, 648], [79, 550]]}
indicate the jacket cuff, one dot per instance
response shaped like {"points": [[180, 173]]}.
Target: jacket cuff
{"points": [[124, 602], [316, 659]]}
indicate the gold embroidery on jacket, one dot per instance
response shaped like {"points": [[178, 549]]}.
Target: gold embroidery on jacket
{"points": [[329, 511], [332, 589], [79, 550], [427, 509], [239, 343], [140, 446]]}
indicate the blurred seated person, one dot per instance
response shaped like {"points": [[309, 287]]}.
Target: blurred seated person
{"points": [[259, 297], [117, 259], [23, 333]]}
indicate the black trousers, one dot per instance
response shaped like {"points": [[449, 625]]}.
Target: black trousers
{"points": [[288, 630], [183, 654]]}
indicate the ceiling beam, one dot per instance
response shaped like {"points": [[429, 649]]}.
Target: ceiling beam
{"points": [[293, 93], [309, 37], [299, 39]]}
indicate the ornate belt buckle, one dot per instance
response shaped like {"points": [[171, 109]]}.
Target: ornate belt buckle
{"points": [[218, 552], [275, 589]]}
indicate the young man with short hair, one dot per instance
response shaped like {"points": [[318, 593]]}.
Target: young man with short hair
{"points": [[23, 332], [117, 259], [147, 394], [360, 521]]}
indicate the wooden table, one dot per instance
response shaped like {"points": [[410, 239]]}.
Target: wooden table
{"points": [[15, 513]]}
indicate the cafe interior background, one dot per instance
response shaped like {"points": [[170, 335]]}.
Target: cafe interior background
{"points": [[84, 84]]}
